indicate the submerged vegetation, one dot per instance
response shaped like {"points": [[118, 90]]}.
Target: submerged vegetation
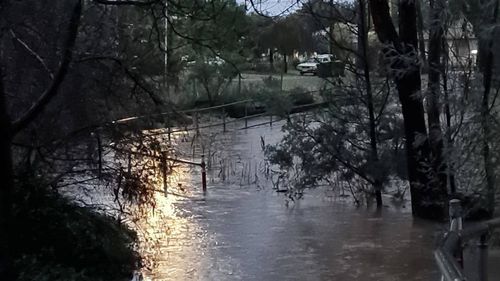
{"points": [[91, 89]]}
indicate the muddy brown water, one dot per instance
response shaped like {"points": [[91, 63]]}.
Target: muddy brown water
{"points": [[243, 230]]}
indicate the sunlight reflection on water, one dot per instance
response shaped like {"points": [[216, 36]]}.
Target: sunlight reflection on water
{"points": [[243, 230]]}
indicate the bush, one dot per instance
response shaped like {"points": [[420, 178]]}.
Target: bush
{"points": [[58, 240], [265, 67], [299, 96]]}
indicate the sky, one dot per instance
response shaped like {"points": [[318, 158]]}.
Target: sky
{"points": [[273, 7]]}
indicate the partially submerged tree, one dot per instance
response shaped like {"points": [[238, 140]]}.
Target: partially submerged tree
{"points": [[428, 190], [350, 141]]}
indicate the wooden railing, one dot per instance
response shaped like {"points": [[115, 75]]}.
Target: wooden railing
{"points": [[220, 110]]}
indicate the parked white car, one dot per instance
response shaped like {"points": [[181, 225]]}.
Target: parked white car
{"points": [[311, 65]]}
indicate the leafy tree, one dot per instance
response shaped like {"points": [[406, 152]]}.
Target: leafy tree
{"points": [[357, 111], [287, 35], [214, 76], [222, 37], [8, 129], [57, 89]]}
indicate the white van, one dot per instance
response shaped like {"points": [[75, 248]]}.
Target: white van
{"points": [[311, 65]]}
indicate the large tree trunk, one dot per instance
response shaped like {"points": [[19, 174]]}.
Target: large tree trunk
{"points": [[362, 54], [433, 113], [331, 21], [9, 129], [421, 41], [6, 177], [486, 52], [401, 49], [6, 186], [447, 112]]}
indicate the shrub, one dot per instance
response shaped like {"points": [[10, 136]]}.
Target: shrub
{"points": [[56, 239], [299, 96]]}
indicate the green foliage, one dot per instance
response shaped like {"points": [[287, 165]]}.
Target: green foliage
{"points": [[213, 75], [270, 95], [331, 144], [58, 240], [139, 41], [299, 96], [225, 33], [287, 35]]}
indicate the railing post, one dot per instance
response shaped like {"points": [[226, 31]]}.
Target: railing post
{"points": [[169, 130], [483, 258], [246, 114], [129, 165], [455, 212], [196, 121], [164, 171], [203, 174], [223, 120], [239, 84], [99, 151]]}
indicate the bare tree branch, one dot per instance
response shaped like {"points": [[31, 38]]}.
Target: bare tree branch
{"points": [[54, 87], [135, 78], [127, 2], [32, 52]]}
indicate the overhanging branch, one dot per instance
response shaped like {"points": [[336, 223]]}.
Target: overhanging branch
{"points": [[54, 87], [135, 78], [127, 2]]}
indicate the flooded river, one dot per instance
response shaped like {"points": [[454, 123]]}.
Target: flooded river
{"points": [[243, 230]]}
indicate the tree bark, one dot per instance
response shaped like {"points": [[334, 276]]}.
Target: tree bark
{"points": [[7, 178], [407, 79], [439, 180], [8, 129], [362, 48], [331, 21], [487, 68], [421, 42], [447, 112], [53, 89], [271, 59]]}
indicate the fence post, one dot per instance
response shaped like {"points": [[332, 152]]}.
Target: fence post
{"points": [[455, 213], [271, 120], [99, 151], [129, 165], [239, 84], [164, 171], [223, 119], [246, 114], [483, 258], [203, 174], [169, 133], [196, 121]]}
